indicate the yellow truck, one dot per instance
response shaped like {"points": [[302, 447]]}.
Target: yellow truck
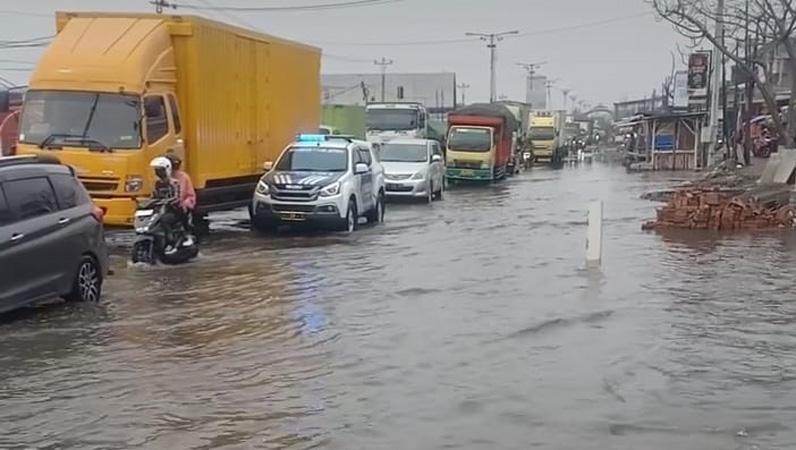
{"points": [[113, 91], [546, 135]]}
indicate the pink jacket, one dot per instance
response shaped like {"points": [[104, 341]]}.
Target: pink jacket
{"points": [[187, 193]]}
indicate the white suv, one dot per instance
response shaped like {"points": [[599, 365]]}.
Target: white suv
{"points": [[327, 181]]}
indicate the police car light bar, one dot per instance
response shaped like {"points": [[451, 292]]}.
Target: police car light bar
{"points": [[312, 138]]}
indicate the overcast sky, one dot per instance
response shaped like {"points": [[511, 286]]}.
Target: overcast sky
{"points": [[605, 50]]}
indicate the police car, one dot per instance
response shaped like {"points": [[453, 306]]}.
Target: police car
{"points": [[320, 180]]}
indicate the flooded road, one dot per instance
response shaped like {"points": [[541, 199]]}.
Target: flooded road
{"points": [[469, 324]]}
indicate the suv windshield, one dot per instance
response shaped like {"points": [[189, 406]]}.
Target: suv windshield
{"points": [[470, 139], [392, 119], [313, 159], [404, 153], [81, 119], [543, 133]]}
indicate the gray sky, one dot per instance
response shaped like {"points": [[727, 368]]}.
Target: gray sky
{"points": [[603, 62]]}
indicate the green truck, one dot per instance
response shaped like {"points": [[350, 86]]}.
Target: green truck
{"points": [[348, 120]]}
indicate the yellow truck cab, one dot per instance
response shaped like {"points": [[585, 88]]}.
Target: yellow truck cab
{"points": [[114, 91], [545, 135]]}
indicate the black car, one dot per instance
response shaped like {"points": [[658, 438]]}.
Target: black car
{"points": [[52, 241]]}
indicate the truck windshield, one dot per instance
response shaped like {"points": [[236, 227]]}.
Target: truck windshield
{"points": [[404, 153], [81, 119], [470, 139], [313, 159], [543, 133], [383, 119]]}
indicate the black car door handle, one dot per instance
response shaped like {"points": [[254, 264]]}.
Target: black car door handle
{"points": [[17, 237]]}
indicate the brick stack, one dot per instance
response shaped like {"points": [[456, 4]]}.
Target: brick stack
{"points": [[711, 209]]}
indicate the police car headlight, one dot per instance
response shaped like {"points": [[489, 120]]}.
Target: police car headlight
{"points": [[262, 188], [331, 190]]}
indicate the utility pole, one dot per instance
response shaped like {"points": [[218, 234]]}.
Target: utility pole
{"points": [[549, 86], [492, 39], [531, 68], [383, 63], [566, 93], [715, 89], [750, 92], [161, 4], [463, 87]]}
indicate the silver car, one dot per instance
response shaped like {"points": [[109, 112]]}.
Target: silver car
{"points": [[413, 168]]}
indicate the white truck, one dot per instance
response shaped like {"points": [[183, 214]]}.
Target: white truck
{"points": [[386, 121]]}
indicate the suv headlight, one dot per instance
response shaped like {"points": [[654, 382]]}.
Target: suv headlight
{"points": [[331, 190], [419, 175], [263, 188], [133, 183]]}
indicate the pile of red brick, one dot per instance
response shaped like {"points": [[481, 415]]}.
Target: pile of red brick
{"points": [[710, 209]]}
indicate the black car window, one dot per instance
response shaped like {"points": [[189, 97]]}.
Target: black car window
{"points": [[30, 197], [69, 191], [5, 212]]}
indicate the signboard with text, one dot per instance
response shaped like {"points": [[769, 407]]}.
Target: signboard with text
{"points": [[681, 89]]}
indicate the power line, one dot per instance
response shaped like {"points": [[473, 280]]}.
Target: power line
{"points": [[461, 40], [24, 13], [313, 7]]}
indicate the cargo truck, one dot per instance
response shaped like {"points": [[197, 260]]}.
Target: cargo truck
{"points": [[521, 113], [480, 142], [396, 120], [547, 136], [113, 91], [346, 120]]}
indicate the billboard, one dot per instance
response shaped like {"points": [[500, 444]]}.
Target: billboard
{"points": [[681, 89], [698, 72]]}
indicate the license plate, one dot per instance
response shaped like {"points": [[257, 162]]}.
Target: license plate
{"points": [[294, 217], [467, 172], [393, 187]]}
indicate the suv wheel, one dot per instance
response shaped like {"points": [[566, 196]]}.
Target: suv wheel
{"points": [[351, 221], [377, 214], [87, 286]]}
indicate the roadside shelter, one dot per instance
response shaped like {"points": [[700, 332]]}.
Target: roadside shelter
{"points": [[668, 141]]}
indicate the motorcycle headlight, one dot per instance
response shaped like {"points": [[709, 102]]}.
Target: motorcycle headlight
{"points": [[262, 188], [331, 190], [419, 175], [133, 183]]}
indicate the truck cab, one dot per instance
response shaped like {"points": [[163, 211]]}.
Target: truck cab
{"points": [[396, 120], [545, 135], [480, 143]]}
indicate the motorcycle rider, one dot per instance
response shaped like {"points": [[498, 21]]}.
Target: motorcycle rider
{"points": [[167, 188], [185, 185]]}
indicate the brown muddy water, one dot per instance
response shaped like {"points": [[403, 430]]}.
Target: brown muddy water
{"points": [[469, 324]]}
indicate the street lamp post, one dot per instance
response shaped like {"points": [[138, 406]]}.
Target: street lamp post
{"points": [[492, 39]]}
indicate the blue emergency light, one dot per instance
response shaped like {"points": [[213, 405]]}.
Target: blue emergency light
{"points": [[312, 138]]}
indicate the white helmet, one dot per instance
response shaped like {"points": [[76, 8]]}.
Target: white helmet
{"points": [[162, 166]]}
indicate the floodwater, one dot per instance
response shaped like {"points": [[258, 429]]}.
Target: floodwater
{"points": [[469, 324]]}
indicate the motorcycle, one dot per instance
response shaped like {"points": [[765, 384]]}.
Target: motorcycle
{"points": [[153, 244], [527, 160]]}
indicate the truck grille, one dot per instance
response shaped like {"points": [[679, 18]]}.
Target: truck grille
{"points": [[95, 184], [459, 164]]}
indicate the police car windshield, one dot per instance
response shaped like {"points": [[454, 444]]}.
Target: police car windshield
{"points": [[314, 159]]}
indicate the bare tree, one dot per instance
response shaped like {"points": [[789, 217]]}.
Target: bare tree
{"points": [[770, 22]]}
